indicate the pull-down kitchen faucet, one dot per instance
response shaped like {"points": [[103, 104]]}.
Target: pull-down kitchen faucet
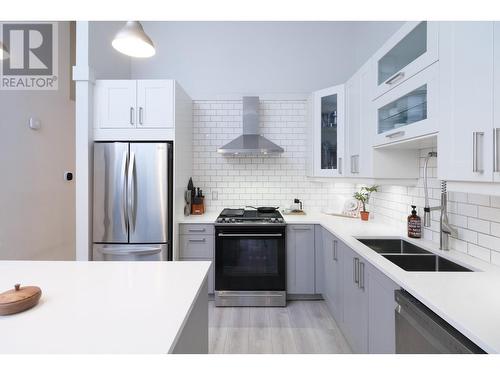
{"points": [[445, 229], [427, 209]]}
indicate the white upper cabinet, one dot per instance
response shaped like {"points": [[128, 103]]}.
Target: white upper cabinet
{"points": [[153, 97], [115, 102], [357, 129], [327, 132], [129, 104], [468, 82], [409, 110], [409, 51]]}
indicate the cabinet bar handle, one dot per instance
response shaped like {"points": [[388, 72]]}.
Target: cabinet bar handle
{"points": [[131, 115], [197, 240], [362, 275], [355, 163], [335, 258], [496, 142], [197, 230], [356, 271], [396, 134], [395, 78], [301, 228], [339, 167], [475, 152], [140, 115]]}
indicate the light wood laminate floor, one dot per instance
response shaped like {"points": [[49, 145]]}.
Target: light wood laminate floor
{"points": [[301, 327]]}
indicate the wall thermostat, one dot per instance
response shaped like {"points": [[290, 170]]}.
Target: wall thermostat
{"points": [[68, 176]]}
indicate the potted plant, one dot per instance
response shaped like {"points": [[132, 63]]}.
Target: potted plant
{"points": [[363, 195]]}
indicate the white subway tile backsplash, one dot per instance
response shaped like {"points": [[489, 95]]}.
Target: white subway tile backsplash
{"points": [[478, 225], [476, 217], [269, 180], [488, 213], [479, 252]]}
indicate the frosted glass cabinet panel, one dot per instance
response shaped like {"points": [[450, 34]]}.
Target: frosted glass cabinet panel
{"points": [[408, 111], [409, 51], [329, 132], [405, 110], [412, 46]]}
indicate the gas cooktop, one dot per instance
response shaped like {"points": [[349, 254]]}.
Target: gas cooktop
{"points": [[241, 216]]}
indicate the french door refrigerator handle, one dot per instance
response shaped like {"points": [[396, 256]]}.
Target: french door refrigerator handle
{"points": [[131, 192], [124, 192]]}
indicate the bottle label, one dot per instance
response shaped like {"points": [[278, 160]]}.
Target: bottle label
{"points": [[414, 229]]}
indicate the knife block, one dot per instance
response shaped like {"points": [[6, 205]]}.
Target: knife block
{"points": [[198, 206]]}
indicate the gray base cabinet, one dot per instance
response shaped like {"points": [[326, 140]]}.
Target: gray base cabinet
{"points": [[356, 290], [333, 276], [359, 296], [300, 259], [381, 317], [319, 285], [197, 242]]}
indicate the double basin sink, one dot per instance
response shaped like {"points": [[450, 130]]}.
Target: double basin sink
{"points": [[411, 257]]}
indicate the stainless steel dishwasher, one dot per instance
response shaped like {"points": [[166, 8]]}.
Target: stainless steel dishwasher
{"points": [[421, 331]]}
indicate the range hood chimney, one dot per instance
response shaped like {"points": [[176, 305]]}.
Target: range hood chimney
{"points": [[251, 142]]}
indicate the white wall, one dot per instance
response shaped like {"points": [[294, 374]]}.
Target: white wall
{"points": [[36, 205], [106, 62], [211, 58]]}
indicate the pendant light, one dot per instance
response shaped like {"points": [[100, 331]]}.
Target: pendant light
{"points": [[3, 52], [131, 40]]}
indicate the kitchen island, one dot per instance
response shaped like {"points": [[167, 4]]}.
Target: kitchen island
{"points": [[108, 307]]}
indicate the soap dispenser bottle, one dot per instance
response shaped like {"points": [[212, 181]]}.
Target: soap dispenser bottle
{"points": [[414, 224]]}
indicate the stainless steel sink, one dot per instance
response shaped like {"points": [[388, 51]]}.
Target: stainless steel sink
{"points": [[411, 257]]}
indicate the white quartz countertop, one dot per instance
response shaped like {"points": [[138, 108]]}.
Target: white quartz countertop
{"points": [[101, 307], [469, 301]]}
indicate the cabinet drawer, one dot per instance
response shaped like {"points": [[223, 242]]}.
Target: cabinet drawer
{"points": [[196, 229], [196, 247]]}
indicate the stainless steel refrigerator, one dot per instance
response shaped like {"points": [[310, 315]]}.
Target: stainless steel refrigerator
{"points": [[132, 201]]}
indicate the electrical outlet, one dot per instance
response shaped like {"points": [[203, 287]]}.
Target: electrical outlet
{"points": [[215, 195]]}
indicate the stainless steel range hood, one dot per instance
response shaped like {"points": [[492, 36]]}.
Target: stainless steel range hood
{"points": [[251, 142]]}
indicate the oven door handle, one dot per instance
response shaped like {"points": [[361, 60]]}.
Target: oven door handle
{"points": [[250, 235]]}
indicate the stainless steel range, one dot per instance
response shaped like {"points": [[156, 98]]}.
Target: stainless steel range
{"points": [[250, 259]]}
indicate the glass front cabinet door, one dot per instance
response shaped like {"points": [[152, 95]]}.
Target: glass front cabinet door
{"points": [[409, 51], [328, 132], [409, 111]]}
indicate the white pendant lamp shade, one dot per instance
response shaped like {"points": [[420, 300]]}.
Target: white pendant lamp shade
{"points": [[131, 40], [3, 52]]}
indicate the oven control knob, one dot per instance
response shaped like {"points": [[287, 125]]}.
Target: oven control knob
{"points": [[233, 220], [273, 220]]}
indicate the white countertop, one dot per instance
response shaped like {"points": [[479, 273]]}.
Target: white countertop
{"points": [[469, 301], [100, 307]]}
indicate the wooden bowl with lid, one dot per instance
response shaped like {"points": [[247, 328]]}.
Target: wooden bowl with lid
{"points": [[19, 299]]}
